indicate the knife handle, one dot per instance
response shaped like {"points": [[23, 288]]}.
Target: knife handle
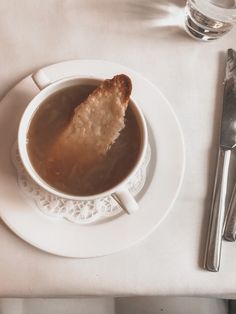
{"points": [[230, 226], [216, 223]]}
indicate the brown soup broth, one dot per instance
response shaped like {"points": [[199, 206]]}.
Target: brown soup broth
{"points": [[52, 116]]}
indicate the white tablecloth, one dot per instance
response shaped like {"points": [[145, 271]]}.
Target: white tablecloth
{"points": [[190, 74]]}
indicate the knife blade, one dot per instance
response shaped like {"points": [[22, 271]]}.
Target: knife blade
{"points": [[226, 144]]}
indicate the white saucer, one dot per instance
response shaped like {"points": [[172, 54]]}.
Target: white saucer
{"points": [[163, 182]]}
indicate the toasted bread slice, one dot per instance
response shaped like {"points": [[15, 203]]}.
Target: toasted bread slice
{"points": [[94, 127]]}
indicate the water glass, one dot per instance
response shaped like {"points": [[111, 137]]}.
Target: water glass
{"points": [[209, 19]]}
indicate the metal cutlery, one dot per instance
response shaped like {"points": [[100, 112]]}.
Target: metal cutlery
{"points": [[227, 143], [230, 226]]}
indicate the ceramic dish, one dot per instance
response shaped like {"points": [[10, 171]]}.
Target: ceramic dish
{"points": [[161, 188]]}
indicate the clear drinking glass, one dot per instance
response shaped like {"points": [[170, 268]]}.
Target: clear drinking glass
{"points": [[209, 19]]}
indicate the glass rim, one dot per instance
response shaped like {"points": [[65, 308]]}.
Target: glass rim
{"points": [[209, 9]]}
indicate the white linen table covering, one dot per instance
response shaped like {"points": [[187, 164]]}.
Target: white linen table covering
{"points": [[189, 73]]}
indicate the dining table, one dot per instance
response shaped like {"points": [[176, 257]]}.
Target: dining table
{"points": [[147, 39]]}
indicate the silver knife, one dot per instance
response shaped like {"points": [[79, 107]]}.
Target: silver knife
{"points": [[227, 143], [230, 227]]}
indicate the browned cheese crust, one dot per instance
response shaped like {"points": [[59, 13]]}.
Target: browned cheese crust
{"points": [[94, 127]]}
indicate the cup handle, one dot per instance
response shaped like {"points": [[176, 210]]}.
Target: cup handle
{"points": [[41, 79], [126, 201]]}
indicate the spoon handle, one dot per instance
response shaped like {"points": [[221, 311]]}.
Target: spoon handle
{"points": [[230, 226]]}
